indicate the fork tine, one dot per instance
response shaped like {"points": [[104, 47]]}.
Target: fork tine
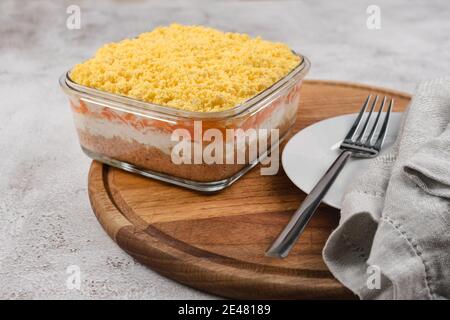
{"points": [[358, 119], [366, 123], [383, 130], [375, 124]]}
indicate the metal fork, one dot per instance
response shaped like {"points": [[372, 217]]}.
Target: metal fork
{"points": [[357, 143]]}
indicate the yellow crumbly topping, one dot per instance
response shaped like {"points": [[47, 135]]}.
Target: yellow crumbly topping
{"points": [[187, 67]]}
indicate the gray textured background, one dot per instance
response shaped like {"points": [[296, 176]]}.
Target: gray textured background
{"points": [[46, 223]]}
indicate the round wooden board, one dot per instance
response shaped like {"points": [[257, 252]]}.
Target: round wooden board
{"points": [[216, 243]]}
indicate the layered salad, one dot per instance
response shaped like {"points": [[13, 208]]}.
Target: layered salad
{"points": [[197, 70]]}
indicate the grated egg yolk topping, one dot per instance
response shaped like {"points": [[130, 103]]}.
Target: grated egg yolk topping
{"points": [[192, 68]]}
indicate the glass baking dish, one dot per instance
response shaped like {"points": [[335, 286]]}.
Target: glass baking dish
{"points": [[138, 136]]}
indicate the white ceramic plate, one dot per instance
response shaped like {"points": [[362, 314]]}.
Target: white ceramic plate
{"points": [[308, 155]]}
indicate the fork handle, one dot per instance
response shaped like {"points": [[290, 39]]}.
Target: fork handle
{"points": [[287, 238]]}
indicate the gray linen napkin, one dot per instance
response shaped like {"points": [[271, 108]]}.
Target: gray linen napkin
{"points": [[393, 239]]}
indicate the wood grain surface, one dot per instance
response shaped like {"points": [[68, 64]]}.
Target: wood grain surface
{"points": [[216, 243]]}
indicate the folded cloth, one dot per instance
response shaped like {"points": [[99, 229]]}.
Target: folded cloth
{"points": [[393, 239]]}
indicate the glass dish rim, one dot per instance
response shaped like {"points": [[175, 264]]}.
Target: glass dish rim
{"points": [[132, 105]]}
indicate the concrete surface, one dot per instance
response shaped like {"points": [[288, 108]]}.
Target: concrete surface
{"points": [[46, 223]]}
